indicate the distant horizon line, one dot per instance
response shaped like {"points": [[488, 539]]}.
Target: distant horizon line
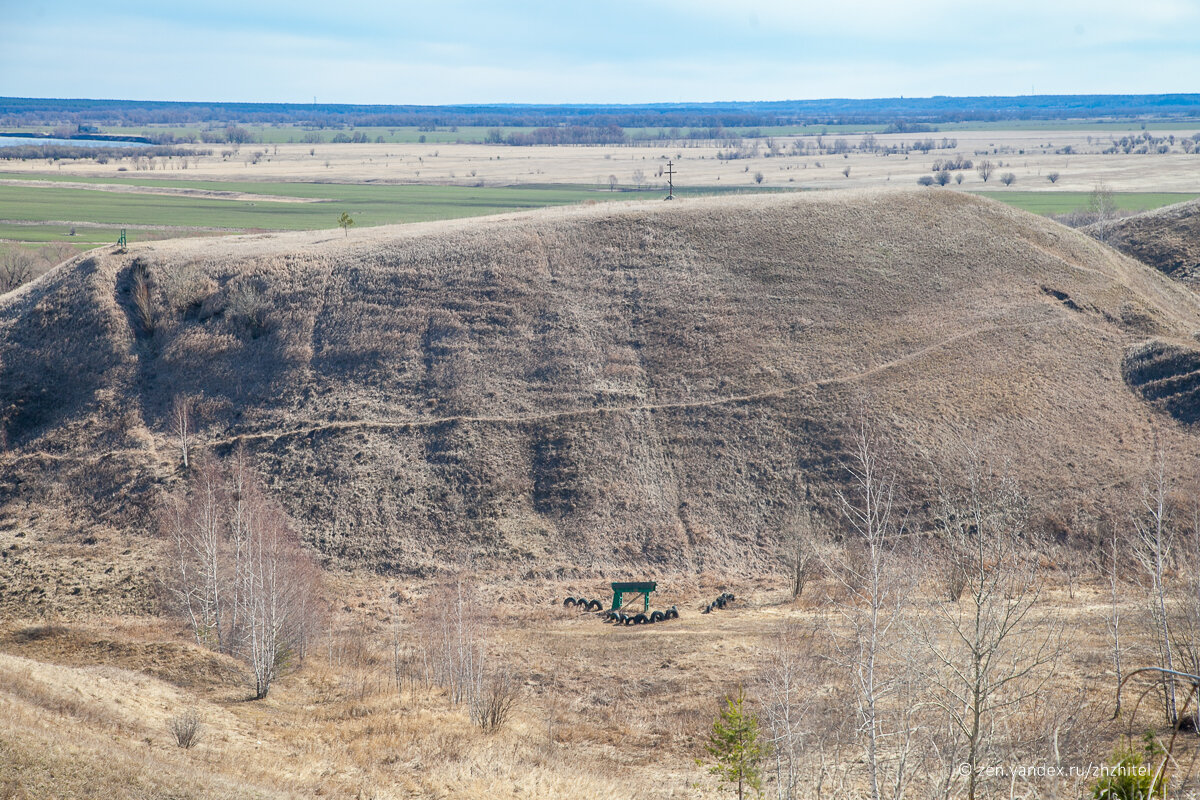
{"points": [[599, 105]]}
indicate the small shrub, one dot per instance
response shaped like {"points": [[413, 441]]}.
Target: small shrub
{"points": [[1052, 177], [958, 178], [758, 177], [925, 180], [954, 579], [248, 307], [186, 729], [186, 288], [1008, 179], [492, 702], [943, 177]]}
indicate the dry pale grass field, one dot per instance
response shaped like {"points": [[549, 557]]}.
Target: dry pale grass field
{"points": [[1029, 155], [603, 712]]}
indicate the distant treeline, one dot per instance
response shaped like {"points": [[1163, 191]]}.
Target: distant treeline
{"points": [[905, 112], [100, 154]]}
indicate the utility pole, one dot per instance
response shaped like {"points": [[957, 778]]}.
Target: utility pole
{"points": [[670, 181]]}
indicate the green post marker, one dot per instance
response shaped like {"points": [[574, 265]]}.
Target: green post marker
{"points": [[121, 241]]}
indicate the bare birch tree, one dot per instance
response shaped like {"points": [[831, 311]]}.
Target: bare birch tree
{"points": [[236, 570], [877, 591], [787, 662], [1186, 628], [992, 649], [1114, 613], [1153, 540], [182, 425]]}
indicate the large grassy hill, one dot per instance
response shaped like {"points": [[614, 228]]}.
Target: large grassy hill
{"points": [[627, 390]]}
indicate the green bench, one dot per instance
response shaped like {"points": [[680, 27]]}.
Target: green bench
{"points": [[644, 588]]}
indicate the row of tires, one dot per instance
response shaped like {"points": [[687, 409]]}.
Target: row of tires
{"points": [[582, 604], [621, 618], [725, 599]]}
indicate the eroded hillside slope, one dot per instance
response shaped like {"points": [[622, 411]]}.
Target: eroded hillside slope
{"points": [[1167, 239], [658, 386]]}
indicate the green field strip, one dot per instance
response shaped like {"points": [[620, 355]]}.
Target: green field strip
{"points": [[368, 205], [1066, 202]]}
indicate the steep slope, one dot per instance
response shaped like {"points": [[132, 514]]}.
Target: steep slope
{"points": [[655, 386], [1167, 239]]}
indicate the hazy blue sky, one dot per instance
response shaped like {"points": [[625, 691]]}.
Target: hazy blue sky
{"points": [[617, 51]]}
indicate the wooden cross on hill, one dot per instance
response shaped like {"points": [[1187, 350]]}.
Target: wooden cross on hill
{"points": [[670, 181]]}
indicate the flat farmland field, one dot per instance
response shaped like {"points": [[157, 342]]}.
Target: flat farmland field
{"points": [[304, 186], [49, 208], [1078, 157]]}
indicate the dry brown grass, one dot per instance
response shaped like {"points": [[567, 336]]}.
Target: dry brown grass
{"points": [[606, 712], [575, 392], [1167, 239]]}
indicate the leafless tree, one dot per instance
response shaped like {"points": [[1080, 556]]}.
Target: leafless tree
{"points": [[876, 591], [182, 411], [799, 553], [16, 267], [1186, 625], [1008, 178], [453, 642], [1153, 540], [992, 649], [1114, 613], [985, 169], [788, 663], [1102, 205], [236, 570], [192, 523]]}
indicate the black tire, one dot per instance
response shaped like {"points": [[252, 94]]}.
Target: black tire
{"points": [[720, 602], [595, 605], [707, 609], [657, 616], [640, 619], [672, 613], [569, 602], [628, 620]]}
